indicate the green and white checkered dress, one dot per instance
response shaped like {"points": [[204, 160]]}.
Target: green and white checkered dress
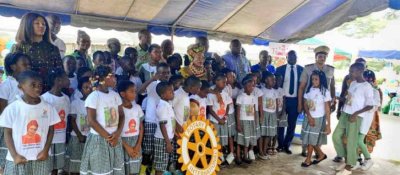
{"points": [[231, 125], [100, 158], [3, 149], [132, 165], [57, 156], [161, 156], [258, 125], [314, 135], [74, 155], [34, 167], [269, 125], [248, 135], [222, 133]]}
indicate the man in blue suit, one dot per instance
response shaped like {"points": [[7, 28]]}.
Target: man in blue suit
{"points": [[291, 73]]}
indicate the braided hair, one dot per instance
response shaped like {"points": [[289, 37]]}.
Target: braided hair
{"points": [[323, 83], [99, 75]]}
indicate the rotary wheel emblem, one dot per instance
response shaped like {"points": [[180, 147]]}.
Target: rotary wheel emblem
{"points": [[199, 147]]}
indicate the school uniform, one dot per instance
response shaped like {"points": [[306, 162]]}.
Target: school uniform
{"points": [[75, 147], [130, 135], [30, 125], [270, 123], [220, 109], [316, 100], [202, 104], [8, 91], [359, 95], [282, 119], [57, 151], [150, 120], [247, 120], [181, 107], [165, 115], [146, 71], [233, 93], [98, 156], [257, 93]]}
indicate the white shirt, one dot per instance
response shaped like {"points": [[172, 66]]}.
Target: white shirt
{"points": [[286, 83], [73, 82], [219, 109], [280, 93], [30, 125], [152, 100], [9, 89], [78, 109], [358, 96], [269, 99], [62, 105], [257, 93], [61, 46], [202, 104], [316, 102], [133, 118], [181, 105], [247, 106], [148, 68], [106, 106], [165, 113], [369, 115]]}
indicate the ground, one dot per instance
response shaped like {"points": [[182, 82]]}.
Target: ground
{"points": [[386, 157]]}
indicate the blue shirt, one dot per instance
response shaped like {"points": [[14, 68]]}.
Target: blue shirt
{"points": [[257, 67], [238, 64]]}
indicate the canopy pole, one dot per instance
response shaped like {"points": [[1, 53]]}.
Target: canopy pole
{"points": [[172, 34]]}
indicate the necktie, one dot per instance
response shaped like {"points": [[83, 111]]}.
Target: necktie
{"points": [[291, 86]]}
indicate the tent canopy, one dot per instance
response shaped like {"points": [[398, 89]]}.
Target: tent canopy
{"points": [[252, 21]]}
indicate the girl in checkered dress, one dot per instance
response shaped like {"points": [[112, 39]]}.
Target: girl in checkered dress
{"points": [[103, 153]]}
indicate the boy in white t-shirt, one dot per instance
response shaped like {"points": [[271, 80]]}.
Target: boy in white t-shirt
{"points": [[165, 131], [358, 101], [201, 99], [28, 124]]}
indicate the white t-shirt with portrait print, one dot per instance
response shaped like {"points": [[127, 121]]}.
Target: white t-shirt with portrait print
{"points": [[181, 105], [133, 118], [202, 104], [316, 100], [78, 108], [9, 90], [30, 126], [270, 97], [219, 109], [247, 106], [280, 92], [165, 113], [358, 96], [62, 105], [106, 106]]}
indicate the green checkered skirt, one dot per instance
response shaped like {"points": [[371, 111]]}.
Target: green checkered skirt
{"points": [[248, 135], [132, 165], [33, 167], [269, 125]]}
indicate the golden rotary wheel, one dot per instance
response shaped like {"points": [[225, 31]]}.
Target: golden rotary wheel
{"points": [[199, 147]]}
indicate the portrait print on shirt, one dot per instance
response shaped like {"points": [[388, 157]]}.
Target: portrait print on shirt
{"points": [[32, 136], [62, 125], [111, 117], [132, 127]]}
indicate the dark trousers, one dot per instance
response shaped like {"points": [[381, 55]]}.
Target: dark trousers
{"points": [[284, 141]]}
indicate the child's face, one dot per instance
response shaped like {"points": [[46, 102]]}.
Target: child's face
{"points": [[221, 83], [110, 80], [156, 54], [169, 94], [63, 82], [194, 89], [165, 74], [270, 81], [129, 94], [230, 78], [80, 63], [203, 93], [255, 80], [249, 87], [126, 65], [39, 26], [315, 81], [70, 65], [32, 88], [22, 64], [355, 73], [86, 89], [177, 84]]}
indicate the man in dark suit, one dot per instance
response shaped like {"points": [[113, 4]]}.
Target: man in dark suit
{"points": [[291, 80]]}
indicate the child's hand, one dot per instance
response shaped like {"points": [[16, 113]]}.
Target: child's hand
{"points": [[327, 130], [43, 155], [130, 152], [311, 122], [82, 139], [136, 151], [238, 128], [168, 148], [221, 121], [18, 159]]}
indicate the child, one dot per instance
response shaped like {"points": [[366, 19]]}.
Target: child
{"points": [[58, 80], [98, 58], [127, 72], [28, 127], [175, 62], [132, 134], [69, 64], [176, 81], [245, 120], [150, 119], [218, 107], [82, 72], [359, 100], [165, 127], [103, 149], [282, 116], [270, 108], [15, 63], [80, 127], [147, 70], [317, 109], [258, 94], [201, 98]]}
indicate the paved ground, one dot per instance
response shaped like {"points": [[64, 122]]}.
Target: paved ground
{"points": [[386, 156]]}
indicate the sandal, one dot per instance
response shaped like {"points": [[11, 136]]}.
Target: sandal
{"points": [[305, 165], [318, 161]]}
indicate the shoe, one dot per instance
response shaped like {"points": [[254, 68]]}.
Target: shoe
{"points": [[338, 159], [230, 158], [344, 172], [247, 161], [367, 165], [315, 162], [279, 149], [266, 157], [238, 162], [340, 167], [305, 165], [358, 165], [251, 155], [287, 151], [224, 164]]}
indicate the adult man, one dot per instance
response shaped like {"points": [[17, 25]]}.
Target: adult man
{"points": [[55, 26], [291, 80], [264, 64], [114, 46], [235, 61], [144, 44]]}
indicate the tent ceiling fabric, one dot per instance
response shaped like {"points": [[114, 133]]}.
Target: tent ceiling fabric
{"points": [[274, 20]]}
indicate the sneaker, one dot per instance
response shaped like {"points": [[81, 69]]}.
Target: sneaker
{"points": [[367, 165], [358, 165], [230, 158], [247, 161], [338, 159], [251, 155], [340, 167], [344, 172]]}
